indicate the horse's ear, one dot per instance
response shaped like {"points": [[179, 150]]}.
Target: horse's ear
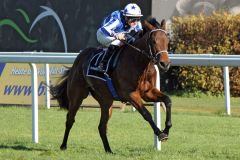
{"points": [[163, 24], [147, 25]]}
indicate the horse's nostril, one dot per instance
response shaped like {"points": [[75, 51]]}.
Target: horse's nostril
{"points": [[164, 64]]}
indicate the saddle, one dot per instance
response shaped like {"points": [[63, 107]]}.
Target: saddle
{"points": [[92, 70]]}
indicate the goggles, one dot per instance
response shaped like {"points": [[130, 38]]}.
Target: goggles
{"points": [[133, 19]]}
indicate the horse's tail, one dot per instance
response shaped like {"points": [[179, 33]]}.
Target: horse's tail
{"points": [[59, 91]]}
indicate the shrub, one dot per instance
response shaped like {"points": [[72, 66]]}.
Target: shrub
{"points": [[216, 34]]}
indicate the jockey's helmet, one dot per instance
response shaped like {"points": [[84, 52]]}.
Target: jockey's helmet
{"points": [[132, 10]]}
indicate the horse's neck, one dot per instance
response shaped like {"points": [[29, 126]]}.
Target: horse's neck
{"points": [[133, 60], [137, 58], [130, 67], [142, 42]]}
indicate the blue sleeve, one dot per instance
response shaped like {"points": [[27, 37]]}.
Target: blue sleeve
{"points": [[108, 28], [110, 24]]}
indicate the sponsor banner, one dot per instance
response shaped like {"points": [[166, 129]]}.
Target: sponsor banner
{"points": [[55, 26], [48, 26], [15, 82]]}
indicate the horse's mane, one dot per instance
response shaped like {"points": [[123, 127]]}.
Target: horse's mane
{"points": [[153, 21], [149, 22]]}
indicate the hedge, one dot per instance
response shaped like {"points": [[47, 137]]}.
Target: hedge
{"points": [[199, 34]]}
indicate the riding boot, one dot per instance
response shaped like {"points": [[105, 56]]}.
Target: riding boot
{"points": [[111, 49]]}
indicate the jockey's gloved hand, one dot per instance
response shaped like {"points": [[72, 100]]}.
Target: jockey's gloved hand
{"points": [[130, 39], [120, 36]]}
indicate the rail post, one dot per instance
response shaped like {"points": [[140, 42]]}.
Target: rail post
{"points": [[157, 113], [34, 82], [47, 79], [227, 89]]}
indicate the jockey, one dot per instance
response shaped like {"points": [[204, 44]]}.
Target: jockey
{"points": [[114, 28]]}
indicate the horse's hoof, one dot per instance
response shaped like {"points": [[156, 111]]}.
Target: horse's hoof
{"points": [[163, 137], [109, 152], [63, 148]]}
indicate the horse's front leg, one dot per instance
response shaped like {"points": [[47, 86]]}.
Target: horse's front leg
{"points": [[154, 95], [168, 104], [138, 104]]}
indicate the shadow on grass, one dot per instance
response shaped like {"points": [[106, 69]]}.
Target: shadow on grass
{"points": [[21, 148]]}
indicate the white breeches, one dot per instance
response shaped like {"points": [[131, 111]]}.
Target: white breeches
{"points": [[107, 40]]}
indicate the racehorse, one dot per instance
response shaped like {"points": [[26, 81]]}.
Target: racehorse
{"points": [[131, 79]]}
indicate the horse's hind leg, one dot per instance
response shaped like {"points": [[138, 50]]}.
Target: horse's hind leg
{"points": [[76, 94], [106, 112], [105, 116], [70, 119]]}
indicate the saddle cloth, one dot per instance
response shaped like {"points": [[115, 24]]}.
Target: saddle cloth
{"points": [[92, 70]]}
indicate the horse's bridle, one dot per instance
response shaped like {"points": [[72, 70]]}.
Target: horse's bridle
{"points": [[154, 57], [150, 55]]}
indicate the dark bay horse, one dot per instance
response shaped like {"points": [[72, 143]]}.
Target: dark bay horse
{"points": [[133, 79]]}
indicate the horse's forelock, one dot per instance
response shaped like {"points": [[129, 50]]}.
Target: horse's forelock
{"points": [[150, 24]]}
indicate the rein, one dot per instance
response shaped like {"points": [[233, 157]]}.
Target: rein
{"points": [[137, 49], [150, 55]]}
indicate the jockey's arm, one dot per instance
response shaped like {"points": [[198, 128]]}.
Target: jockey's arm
{"points": [[110, 26]]}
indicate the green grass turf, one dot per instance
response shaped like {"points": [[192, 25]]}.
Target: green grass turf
{"points": [[201, 130]]}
